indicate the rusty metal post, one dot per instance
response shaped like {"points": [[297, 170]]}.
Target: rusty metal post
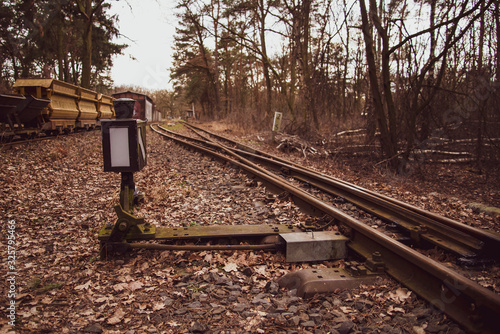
{"points": [[127, 189]]}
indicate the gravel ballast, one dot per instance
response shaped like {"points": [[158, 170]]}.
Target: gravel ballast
{"points": [[59, 197]]}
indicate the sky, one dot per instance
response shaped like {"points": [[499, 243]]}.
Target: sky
{"points": [[148, 27]]}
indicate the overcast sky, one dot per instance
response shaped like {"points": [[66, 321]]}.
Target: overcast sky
{"points": [[148, 27]]}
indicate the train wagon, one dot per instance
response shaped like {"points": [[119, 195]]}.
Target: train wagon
{"points": [[105, 108], [144, 105], [19, 115], [51, 106], [62, 111], [87, 107]]}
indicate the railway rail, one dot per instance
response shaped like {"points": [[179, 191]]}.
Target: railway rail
{"points": [[24, 141], [38, 137], [420, 225], [474, 307]]}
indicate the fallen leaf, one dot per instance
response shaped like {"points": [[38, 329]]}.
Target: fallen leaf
{"points": [[101, 300], [400, 295], [231, 266], [20, 296], [116, 317], [419, 330], [173, 324], [392, 309], [83, 286], [132, 286], [346, 309], [261, 270], [120, 287], [47, 300], [208, 258], [158, 306], [87, 312]]}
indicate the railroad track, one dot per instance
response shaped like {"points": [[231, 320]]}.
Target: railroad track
{"points": [[474, 307], [421, 226], [25, 141], [22, 141]]}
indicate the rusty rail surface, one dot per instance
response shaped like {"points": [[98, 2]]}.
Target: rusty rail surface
{"points": [[25, 141], [41, 138], [474, 307], [421, 225]]}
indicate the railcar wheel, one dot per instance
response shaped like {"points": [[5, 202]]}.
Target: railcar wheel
{"points": [[6, 138], [33, 135]]}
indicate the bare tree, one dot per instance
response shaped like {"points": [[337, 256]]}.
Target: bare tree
{"points": [[88, 10], [381, 87]]}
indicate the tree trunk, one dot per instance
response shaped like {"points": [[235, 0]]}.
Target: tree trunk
{"points": [[60, 42], [497, 60], [86, 9], [305, 28], [481, 107], [216, 58], [388, 138], [87, 56], [497, 24], [346, 70], [265, 59]]}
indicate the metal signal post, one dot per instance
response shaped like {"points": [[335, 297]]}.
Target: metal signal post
{"points": [[124, 151]]}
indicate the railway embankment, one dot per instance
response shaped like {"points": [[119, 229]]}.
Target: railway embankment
{"points": [[59, 197]]}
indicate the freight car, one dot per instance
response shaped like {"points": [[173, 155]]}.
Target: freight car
{"points": [[51, 106], [144, 105]]}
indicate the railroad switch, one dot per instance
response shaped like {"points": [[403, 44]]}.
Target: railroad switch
{"points": [[127, 226], [356, 269], [309, 282], [124, 151], [417, 232], [375, 263], [314, 246]]}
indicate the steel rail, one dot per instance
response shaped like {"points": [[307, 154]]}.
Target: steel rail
{"points": [[25, 141], [469, 304], [446, 233], [419, 227], [35, 139], [199, 248]]}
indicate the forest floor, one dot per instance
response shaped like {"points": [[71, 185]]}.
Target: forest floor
{"points": [[55, 197]]}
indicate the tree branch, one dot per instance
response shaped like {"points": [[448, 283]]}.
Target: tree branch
{"points": [[442, 24]]}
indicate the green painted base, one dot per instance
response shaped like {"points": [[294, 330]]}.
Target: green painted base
{"points": [[137, 232]]}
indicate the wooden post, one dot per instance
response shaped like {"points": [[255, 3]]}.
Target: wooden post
{"points": [[276, 124]]}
